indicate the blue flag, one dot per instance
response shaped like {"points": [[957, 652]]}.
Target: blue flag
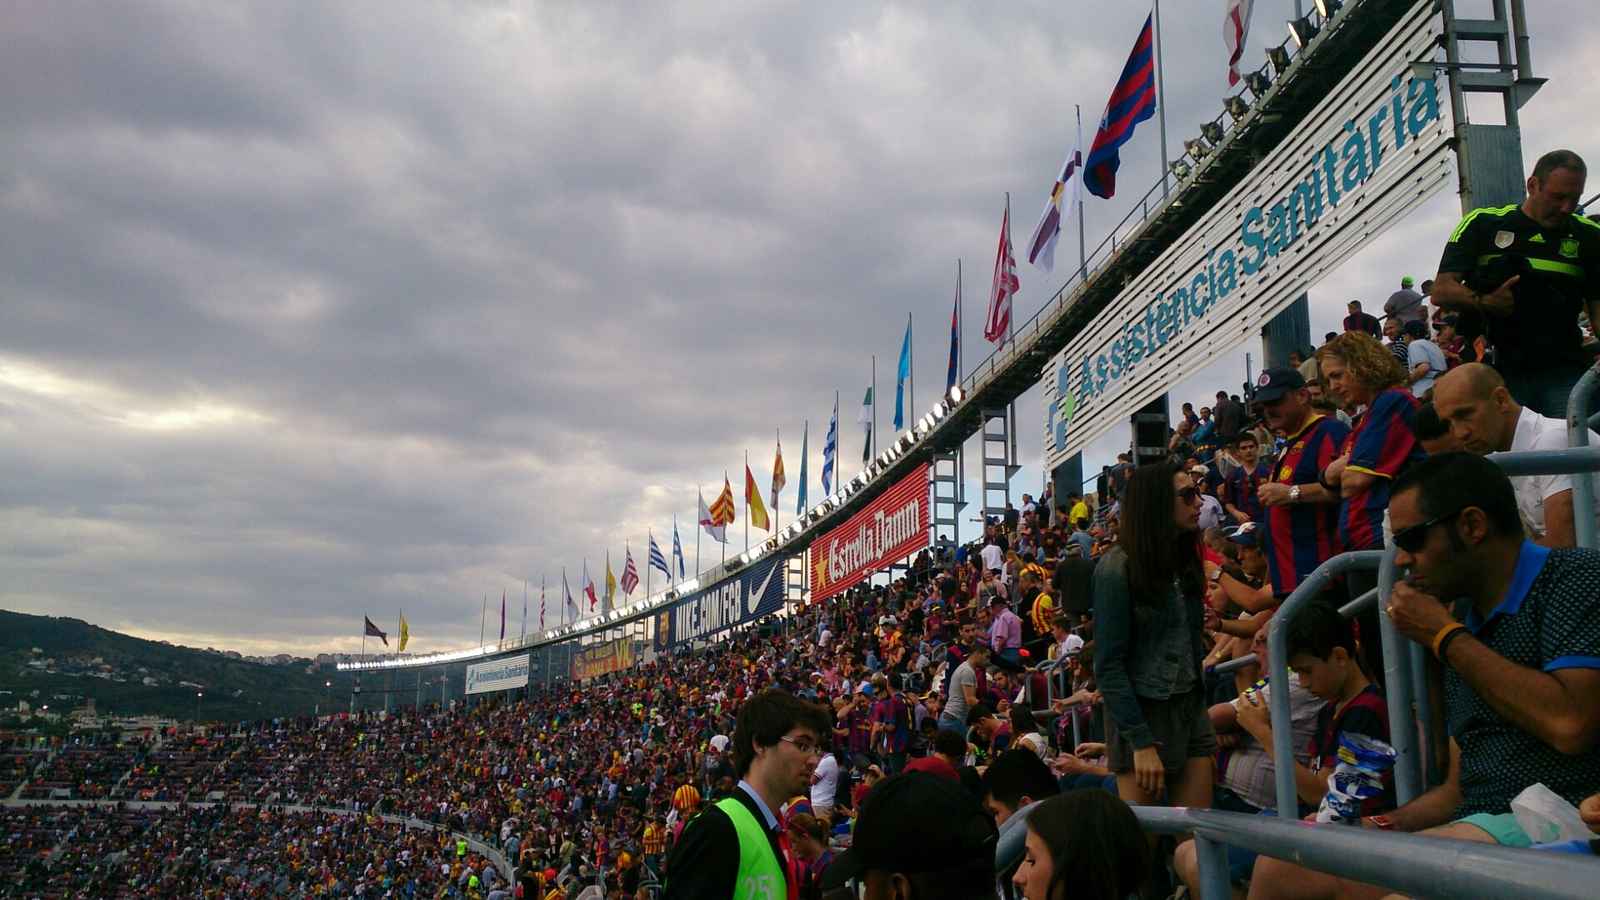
{"points": [[657, 561], [954, 373], [805, 437], [900, 378], [1132, 101], [677, 548], [830, 449]]}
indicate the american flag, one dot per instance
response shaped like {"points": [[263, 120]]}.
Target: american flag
{"points": [[630, 575], [998, 323]]}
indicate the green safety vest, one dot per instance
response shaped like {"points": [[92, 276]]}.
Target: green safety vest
{"points": [[461, 847], [760, 870]]}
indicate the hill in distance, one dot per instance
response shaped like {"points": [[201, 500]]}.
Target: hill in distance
{"points": [[64, 662]]}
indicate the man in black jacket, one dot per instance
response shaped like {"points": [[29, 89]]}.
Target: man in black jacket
{"points": [[776, 745]]}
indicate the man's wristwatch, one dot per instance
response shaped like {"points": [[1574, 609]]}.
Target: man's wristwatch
{"points": [[1294, 494]]}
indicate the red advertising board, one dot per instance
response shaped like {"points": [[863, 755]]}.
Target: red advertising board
{"points": [[892, 527]]}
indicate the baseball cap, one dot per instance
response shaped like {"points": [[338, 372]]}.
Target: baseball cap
{"points": [[1274, 383], [888, 620], [1199, 470], [1243, 535], [912, 823], [1406, 281]]}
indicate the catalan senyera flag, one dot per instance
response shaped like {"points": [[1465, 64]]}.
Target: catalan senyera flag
{"points": [[778, 479], [405, 633], [752, 499], [722, 508]]}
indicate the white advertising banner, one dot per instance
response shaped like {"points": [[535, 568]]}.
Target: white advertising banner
{"points": [[498, 675]]}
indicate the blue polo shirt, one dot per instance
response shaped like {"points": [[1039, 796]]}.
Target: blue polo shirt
{"points": [[1549, 620]]}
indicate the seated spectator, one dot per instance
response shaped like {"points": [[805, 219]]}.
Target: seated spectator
{"points": [[1015, 779], [991, 733], [1025, 731], [919, 836], [1521, 669], [1083, 844], [1484, 418], [1432, 432]]}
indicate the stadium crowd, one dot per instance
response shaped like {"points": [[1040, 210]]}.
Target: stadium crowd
{"points": [[1067, 657]]}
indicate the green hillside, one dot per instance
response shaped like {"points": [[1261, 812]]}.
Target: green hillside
{"points": [[62, 662]]}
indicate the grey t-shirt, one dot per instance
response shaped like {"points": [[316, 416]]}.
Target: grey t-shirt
{"points": [[955, 703], [1405, 305]]}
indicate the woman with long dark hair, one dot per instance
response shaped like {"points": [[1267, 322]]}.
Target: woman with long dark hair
{"points": [[1082, 844], [1149, 594]]}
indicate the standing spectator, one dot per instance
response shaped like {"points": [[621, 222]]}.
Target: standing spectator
{"points": [[1484, 418], [1230, 416], [1456, 350], [1424, 360], [1358, 321], [962, 693], [1382, 444], [1301, 513], [824, 785], [1149, 593], [735, 843], [1396, 337], [1005, 635], [992, 554], [1521, 671], [1529, 270], [1405, 304], [1240, 489]]}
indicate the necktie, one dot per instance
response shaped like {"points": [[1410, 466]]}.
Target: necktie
{"points": [[791, 875]]}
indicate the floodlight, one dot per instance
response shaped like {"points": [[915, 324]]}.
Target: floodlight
{"points": [[1301, 31], [1236, 106], [955, 393], [1258, 83], [1180, 169], [1279, 57], [1328, 7], [1212, 131], [1197, 148]]}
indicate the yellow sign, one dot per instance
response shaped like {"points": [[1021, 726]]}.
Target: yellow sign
{"points": [[596, 661]]}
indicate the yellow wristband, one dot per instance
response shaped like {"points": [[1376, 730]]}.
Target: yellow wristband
{"points": [[1445, 632]]}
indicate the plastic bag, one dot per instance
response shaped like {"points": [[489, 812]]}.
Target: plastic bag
{"points": [[1546, 817], [1363, 764]]}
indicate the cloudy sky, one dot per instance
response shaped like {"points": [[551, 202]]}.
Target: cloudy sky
{"points": [[316, 310]]}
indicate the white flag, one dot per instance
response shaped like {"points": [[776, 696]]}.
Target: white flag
{"points": [[1063, 197], [1235, 29]]}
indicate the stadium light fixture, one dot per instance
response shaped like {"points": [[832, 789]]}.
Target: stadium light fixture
{"points": [[1327, 8], [1279, 57], [1301, 31], [955, 394], [1258, 83], [1197, 148], [1212, 131], [1236, 106], [1180, 169]]}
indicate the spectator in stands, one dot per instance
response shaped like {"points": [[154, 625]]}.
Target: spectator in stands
{"points": [[1083, 844], [1405, 305], [808, 836], [1148, 593], [1241, 489], [1005, 635], [1484, 418], [1432, 432], [1212, 514], [776, 744], [1455, 348], [921, 837], [1424, 360], [1358, 321], [962, 690], [1382, 444], [1013, 780], [1395, 337], [1521, 671], [1302, 514], [1530, 270]]}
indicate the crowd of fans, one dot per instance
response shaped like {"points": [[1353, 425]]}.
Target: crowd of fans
{"points": [[1067, 657]]}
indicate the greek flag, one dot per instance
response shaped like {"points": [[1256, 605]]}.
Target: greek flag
{"points": [[677, 549], [657, 561], [830, 449]]}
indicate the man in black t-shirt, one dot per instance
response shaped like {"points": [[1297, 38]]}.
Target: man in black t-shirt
{"points": [[1530, 269]]}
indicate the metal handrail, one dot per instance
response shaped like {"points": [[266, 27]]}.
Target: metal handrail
{"points": [[1583, 490], [1349, 611]]}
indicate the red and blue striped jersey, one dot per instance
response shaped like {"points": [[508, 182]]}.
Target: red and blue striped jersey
{"points": [[1239, 489], [1382, 445], [1301, 536]]}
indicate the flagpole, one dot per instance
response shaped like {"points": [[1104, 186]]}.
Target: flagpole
{"points": [[647, 567], [357, 692], [483, 620], [747, 502], [961, 345], [697, 530], [1161, 100], [1083, 261], [911, 376], [874, 435], [777, 432], [523, 636]]}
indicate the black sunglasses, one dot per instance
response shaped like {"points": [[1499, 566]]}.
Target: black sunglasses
{"points": [[1411, 539], [1188, 494]]}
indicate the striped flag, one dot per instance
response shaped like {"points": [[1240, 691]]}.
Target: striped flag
{"points": [[1235, 31], [1063, 196], [830, 449], [541, 602], [864, 419], [656, 560], [1132, 101], [677, 546], [718, 532], [805, 440], [953, 373], [502, 616], [752, 501], [630, 575], [722, 508], [998, 323]]}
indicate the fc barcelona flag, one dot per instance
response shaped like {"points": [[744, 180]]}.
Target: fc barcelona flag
{"points": [[1132, 101]]}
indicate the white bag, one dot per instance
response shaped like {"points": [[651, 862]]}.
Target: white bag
{"points": [[1547, 818]]}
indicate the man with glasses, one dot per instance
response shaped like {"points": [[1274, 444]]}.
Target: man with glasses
{"points": [[1521, 658], [737, 848], [1302, 515]]}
